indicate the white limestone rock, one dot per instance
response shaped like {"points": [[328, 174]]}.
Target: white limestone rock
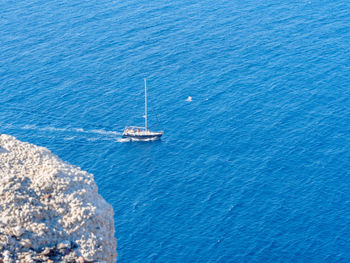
{"points": [[50, 211]]}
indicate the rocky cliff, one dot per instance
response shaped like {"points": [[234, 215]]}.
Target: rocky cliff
{"points": [[50, 211]]}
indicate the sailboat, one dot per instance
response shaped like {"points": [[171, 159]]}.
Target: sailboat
{"points": [[142, 133]]}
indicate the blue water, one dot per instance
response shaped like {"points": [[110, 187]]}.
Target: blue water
{"points": [[254, 169]]}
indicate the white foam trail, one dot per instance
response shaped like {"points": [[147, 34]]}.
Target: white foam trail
{"points": [[72, 133], [69, 138], [123, 140], [52, 129], [29, 127], [105, 132], [78, 129], [81, 130], [92, 139], [33, 127]]}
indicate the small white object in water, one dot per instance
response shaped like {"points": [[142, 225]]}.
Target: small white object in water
{"points": [[189, 98]]}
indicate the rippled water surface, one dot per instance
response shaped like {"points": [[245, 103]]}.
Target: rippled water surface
{"points": [[254, 169]]}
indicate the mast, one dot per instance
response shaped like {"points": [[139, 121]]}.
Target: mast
{"points": [[145, 105]]}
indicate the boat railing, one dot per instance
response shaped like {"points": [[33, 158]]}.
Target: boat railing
{"points": [[135, 127]]}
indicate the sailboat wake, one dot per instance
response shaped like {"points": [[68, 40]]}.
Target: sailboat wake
{"points": [[123, 140], [68, 133], [74, 130]]}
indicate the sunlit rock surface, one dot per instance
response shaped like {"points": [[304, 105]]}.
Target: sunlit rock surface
{"points": [[50, 211]]}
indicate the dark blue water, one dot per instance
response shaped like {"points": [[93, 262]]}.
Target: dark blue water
{"points": [[254, 169]]}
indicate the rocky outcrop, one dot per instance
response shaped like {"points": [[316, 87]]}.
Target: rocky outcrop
{"points": [[50, 211]]}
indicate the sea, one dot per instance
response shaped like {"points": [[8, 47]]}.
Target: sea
{"points": [[256, 168]]}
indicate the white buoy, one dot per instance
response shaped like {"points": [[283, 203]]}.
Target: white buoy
{"points": [[189, 99]]}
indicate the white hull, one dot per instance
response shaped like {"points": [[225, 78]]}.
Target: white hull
{"points": [[141, 135]]}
